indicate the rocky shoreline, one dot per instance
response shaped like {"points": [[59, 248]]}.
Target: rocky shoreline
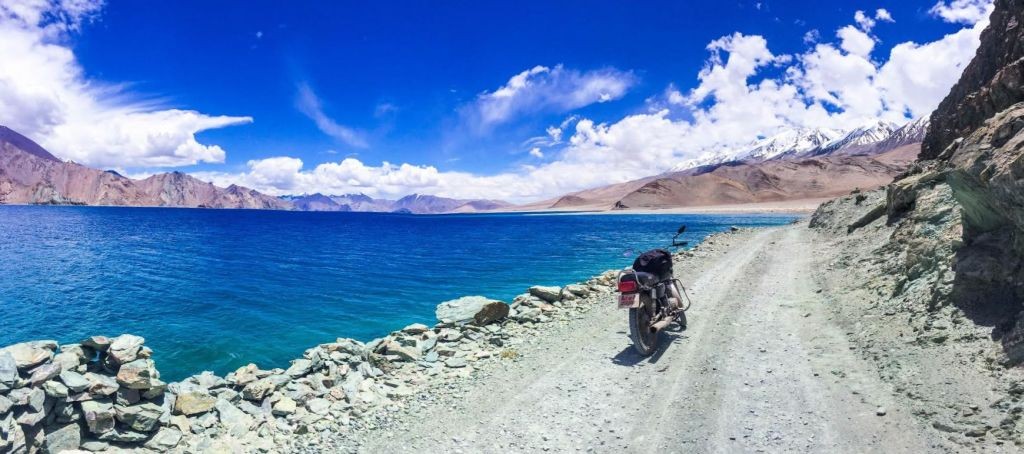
{"points": [[105, 394]]}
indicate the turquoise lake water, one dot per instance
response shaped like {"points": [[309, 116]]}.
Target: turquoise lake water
{"points": [[217, 289]]}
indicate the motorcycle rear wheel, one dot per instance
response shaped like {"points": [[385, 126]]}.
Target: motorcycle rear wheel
{"points": [[644, 341]]}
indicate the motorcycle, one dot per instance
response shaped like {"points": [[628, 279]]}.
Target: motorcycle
{"points": [[653, 297]]}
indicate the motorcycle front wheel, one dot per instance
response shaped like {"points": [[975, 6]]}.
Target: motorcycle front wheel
{"points": [[644, 341]]}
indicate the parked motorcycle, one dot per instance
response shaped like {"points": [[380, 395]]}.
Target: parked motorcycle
{"points": [[654, 298]]}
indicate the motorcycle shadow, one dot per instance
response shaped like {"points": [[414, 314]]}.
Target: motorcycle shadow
{"points": [[628, 357]]}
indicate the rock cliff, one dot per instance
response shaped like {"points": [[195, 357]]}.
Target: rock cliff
{"points": [[990, 83]]}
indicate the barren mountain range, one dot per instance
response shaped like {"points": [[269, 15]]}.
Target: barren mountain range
{"points": [[794, 164]]}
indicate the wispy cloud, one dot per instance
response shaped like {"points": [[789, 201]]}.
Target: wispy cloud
{"points": [[544, 90], [310, 105]]}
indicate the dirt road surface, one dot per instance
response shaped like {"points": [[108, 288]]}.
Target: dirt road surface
{"points": [[761, 368]]}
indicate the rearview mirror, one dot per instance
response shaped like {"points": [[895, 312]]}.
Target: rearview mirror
{"points": [[682, 229]]}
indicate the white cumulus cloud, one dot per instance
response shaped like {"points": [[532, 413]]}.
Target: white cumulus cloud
{"points": [[962, 11], [45, 95]]}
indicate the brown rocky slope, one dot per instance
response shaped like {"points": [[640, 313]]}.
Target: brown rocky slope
{"points": [[942, 249]]}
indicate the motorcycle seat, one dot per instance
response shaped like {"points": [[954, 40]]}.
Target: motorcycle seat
{"points": [[646, 279]]}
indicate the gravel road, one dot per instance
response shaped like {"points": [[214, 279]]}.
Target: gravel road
{"points": [[762, 367]]}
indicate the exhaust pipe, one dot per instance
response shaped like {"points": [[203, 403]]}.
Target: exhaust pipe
{"points": [[661, 325]]}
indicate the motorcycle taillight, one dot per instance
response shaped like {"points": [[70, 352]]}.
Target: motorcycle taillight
{"points": [[627, 286]]}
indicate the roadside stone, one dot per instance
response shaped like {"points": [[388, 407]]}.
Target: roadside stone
{"points": [[156, 389], [29, 417], [318, 406], [63, 438], [492, 312], [120, 435], [245, 375], [415, 328], [299, 368], [263, 387], [74, 381], [101, 385], [461, 310], [142, 417], [67, 360], [95, 445], [137, 374], [55, 389], [546, 293], [236, 421], [402, 352], [99, 415], [8, 370], [193, 403], [284, 406], [65, 412], [5, 405], [165, 439], [98, 343], [455, 363], [125, 348], [29, 354], [34, 399], [208, 380], [181, 422], [126, 396], [577, 290]]}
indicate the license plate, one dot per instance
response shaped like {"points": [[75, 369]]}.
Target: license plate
{"points": [[629, 300]]}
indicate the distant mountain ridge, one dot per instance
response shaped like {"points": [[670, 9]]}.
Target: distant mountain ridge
{"points": [[413, 204], [29, 174]]}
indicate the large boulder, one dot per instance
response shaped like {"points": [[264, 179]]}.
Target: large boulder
{"points": [[8, 370], [546, 293], [236, 421], [476, 309], [63, 438], [142, 417], [99, 415], [74, 381], [43, 373], [30, 354], [193, 403], [137, 374], [125, 348], [101, 385]]}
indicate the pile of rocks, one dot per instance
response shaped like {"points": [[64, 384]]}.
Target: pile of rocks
{"points": [[90, 394], [105, 393]]}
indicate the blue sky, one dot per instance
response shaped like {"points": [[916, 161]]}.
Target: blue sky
{"points": [[409, 83]]}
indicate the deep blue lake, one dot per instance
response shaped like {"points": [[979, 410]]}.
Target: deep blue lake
{"points": [[217, 289]]}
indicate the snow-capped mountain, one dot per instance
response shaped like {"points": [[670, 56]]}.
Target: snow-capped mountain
{"points": [[859, 139], [790, 141], [909, 133], [875, 137], [797, 140]]}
